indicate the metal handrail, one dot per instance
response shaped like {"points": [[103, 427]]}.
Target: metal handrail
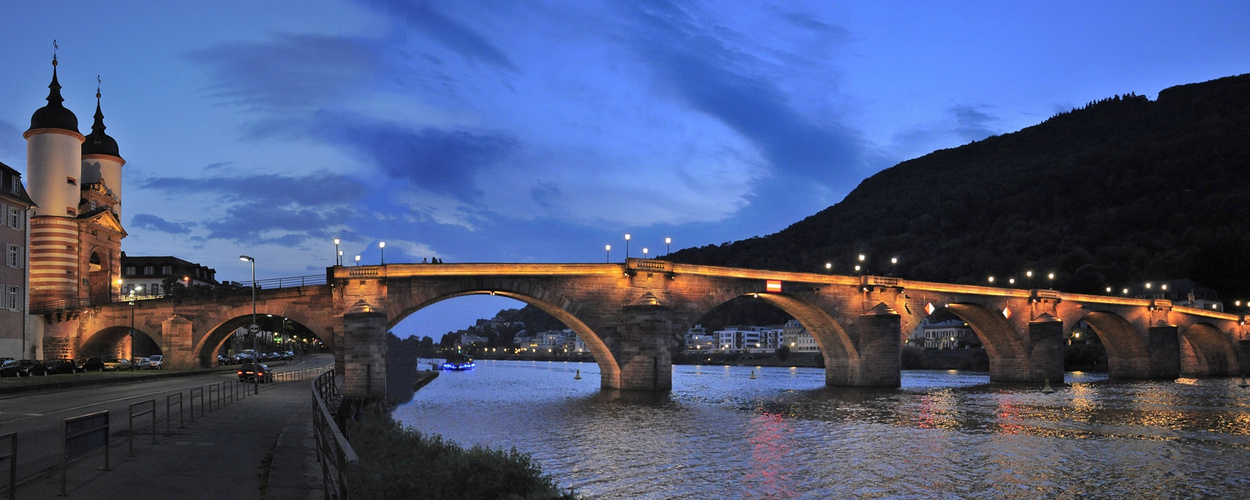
{"points": [[333, 451], [286, 282]]}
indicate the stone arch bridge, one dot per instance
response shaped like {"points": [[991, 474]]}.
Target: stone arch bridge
{"points": [[632, 315]]}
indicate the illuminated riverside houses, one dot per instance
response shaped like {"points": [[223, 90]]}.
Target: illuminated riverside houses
{"points": [[15, 208], [797, 338], [75, 230]]}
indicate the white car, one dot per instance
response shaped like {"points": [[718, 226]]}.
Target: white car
{"points": [[155, 361]]}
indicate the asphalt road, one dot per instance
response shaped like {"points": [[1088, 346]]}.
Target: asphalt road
{"points": [[37, 416]]}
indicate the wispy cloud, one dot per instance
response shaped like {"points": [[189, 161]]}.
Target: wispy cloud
{"points": [[156, 223], [457, 36]]}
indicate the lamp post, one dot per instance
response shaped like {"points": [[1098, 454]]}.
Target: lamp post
{"points": [[132, 322], [668, 246], [358, 260], [626, 246], [382, 250], [862, 265], [253, 328], [828, 267], [644, 252], [607, 250], [338, 254]]}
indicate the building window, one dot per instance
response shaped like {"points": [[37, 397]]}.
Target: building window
{"points": [[148, 270], [130, 271], [167, 270], [13, 185], [156, 289], [13, 298], [15, 218], [16, 256]]}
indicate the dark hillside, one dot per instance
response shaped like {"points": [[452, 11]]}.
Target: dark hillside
{"points": [[1122, 190]]}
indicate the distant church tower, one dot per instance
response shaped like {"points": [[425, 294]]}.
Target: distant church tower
{"points": [[76, 232]]}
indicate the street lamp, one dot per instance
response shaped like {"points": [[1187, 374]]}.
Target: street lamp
{"points": [[668, 242], [991, 280], [253, 328], [357, 259], [607, 250], [338, 254], [132, 321], [828, 267], [644, 252], [626, 246], [1051, 277], [382, 250]]}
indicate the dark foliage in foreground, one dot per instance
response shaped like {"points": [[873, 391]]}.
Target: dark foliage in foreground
{"points": [[398, 463]]}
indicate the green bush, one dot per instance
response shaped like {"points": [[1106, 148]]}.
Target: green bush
{"points": [[398, 462]]}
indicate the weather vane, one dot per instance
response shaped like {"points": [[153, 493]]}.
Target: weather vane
{"points": [[97, 86], [55, 48]]}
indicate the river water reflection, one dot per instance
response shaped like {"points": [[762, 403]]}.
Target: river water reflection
{"points": [[722, 434]]}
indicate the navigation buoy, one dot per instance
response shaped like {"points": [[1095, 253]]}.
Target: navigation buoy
{"points": [[578, 375], [1243, 383], [1047, 389], [752, 374]]}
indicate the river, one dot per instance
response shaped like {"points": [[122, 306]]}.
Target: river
{"points": [[722, 434]]}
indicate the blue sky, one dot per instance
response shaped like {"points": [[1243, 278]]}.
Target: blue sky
{"points": [[541, 131]]}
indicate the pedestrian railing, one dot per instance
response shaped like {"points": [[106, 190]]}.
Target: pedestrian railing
{"points": [[333, 451], [151, 411], [11, 456]]}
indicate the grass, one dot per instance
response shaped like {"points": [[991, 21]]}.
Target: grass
{"points": [[398, 462]]}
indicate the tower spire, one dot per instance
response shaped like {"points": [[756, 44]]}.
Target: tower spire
{"points": [[97, 128], [54, 115]]}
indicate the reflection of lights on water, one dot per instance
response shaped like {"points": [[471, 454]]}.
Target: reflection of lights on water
{"points": [[769, 476], [937, 411]]}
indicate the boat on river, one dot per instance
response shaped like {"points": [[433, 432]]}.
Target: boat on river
{"points": [[458, 362]]}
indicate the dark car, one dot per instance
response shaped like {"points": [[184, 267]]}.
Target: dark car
{"points": [[93, 364], [60, 366], [249, 371], [23, 368]]}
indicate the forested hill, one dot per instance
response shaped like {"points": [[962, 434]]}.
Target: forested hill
{"points": [[1122, 190]]}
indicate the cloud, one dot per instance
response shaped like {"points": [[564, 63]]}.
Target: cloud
{"points": [[315, 189], [284, 80], [971, 122], [156, 223], [432, 159], [452, 34], [266, 208], [696, 62], [12, 146]]}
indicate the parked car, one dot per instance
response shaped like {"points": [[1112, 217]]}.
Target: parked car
{"points": [[116, 364], [92, 364], [60, 366], [8, 368], [140, 364], [23, 368], [249, 371], [158, 361]]}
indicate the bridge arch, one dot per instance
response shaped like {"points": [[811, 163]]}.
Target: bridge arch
{"points": [[996, 333], [1127, 354], [609, 369], [269, 303], [1207, 351], [109, 341]]}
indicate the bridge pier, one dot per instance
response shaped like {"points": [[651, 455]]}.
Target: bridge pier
{"points": [[364, 353], [1040, 359], [877, 341], [644, 354], [1164, 345], [177, 347]]}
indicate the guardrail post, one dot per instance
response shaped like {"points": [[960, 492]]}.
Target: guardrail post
{"points": [[82, 435], [11, 456], [169, 403], [130, 436]]}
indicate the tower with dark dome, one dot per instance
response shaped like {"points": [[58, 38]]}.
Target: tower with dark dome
{"points": [[75, 232]]}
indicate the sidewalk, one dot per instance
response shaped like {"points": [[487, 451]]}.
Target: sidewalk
{"points": [[258, 447]]}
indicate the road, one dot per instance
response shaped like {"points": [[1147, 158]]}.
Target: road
{"points": [[37, 416]]}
